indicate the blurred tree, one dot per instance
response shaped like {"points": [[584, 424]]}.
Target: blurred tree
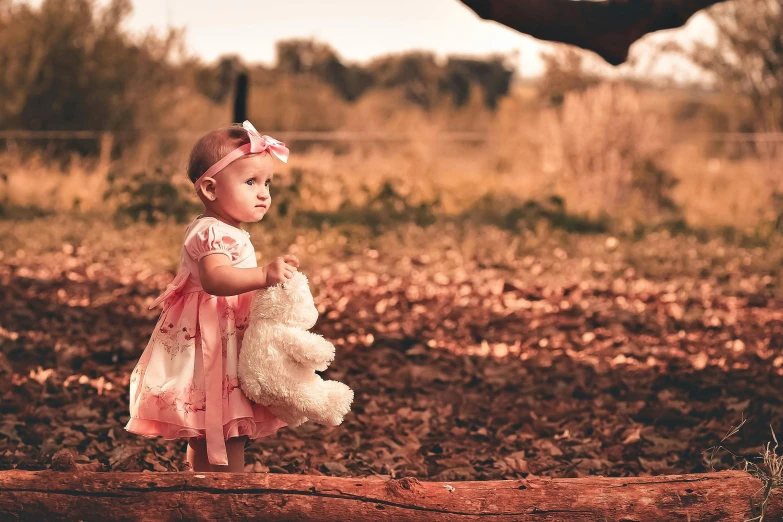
{"points": [[493, 75], [217, 82], [69, 66], [747, 61], [748, 56], [310, 57], [564, 71], [422, 79], [417, 75]]}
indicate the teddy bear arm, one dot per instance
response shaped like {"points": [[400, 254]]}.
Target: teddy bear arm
{"points": [[308, 349]]}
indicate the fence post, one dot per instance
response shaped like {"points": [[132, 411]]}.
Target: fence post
{"points": [[240, 98], [107, 144]]}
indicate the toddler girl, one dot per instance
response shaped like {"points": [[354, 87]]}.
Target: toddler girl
{"points": [[185, 383]]}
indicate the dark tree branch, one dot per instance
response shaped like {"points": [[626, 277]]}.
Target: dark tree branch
{"points": [[606, 27]]}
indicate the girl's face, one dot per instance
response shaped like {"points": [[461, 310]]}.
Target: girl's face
{"points": [[241, 190]]}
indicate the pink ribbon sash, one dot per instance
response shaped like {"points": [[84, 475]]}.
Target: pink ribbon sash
{"points": [[175, 287], [211, 350], [212, 358]]}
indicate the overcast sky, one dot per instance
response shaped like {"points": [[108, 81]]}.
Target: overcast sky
{"points": [[357, 29]]}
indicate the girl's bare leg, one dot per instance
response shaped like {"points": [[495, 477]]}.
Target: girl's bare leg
{"points": [[235, 447], [197, 455]]}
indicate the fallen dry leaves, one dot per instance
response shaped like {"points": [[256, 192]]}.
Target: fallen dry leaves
{"points": [[473, 354]]}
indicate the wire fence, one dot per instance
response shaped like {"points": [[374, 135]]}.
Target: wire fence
{"points": [[282, 135], [11, 135]]}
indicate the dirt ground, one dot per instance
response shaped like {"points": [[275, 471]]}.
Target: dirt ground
{"points": [[473, 353]]}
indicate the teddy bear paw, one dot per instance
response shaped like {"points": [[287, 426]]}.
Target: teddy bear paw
{"points": [[340, 396]]}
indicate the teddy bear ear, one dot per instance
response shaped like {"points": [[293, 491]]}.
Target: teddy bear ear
{"points": [[297, 285]]}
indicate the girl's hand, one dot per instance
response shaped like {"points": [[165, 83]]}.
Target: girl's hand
{"points": [[281, 269], [291, 259]]}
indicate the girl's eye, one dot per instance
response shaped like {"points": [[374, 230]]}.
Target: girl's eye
{"points": [[248, 181]]}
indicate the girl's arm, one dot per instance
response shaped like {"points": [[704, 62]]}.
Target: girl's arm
{"points": [[218, 277]]}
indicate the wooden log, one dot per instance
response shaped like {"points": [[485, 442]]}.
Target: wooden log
{"points": [[56, 495]]}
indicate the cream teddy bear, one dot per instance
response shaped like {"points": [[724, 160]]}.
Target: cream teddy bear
{"points": [[279, 357]]}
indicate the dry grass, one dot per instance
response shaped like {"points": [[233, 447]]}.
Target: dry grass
{"points": [[720, 191], [584, 153], [769, 471], [596, 139], [35, 183]]}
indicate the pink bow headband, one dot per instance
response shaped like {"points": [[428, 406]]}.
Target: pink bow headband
{"points": [[257, 144]]}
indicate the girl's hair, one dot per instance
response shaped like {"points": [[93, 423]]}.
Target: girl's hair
{"points": [[211, 147]]}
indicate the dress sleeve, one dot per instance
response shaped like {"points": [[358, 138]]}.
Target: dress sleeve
{"points": [[211, 240]]}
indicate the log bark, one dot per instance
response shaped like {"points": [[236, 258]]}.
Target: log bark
{"points": [[607, 27], [56, 495]]}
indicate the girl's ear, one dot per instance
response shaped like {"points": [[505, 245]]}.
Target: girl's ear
{"points": [[207, 188]]}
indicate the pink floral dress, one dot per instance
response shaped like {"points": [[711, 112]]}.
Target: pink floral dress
{"points": [[185, 383]]}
